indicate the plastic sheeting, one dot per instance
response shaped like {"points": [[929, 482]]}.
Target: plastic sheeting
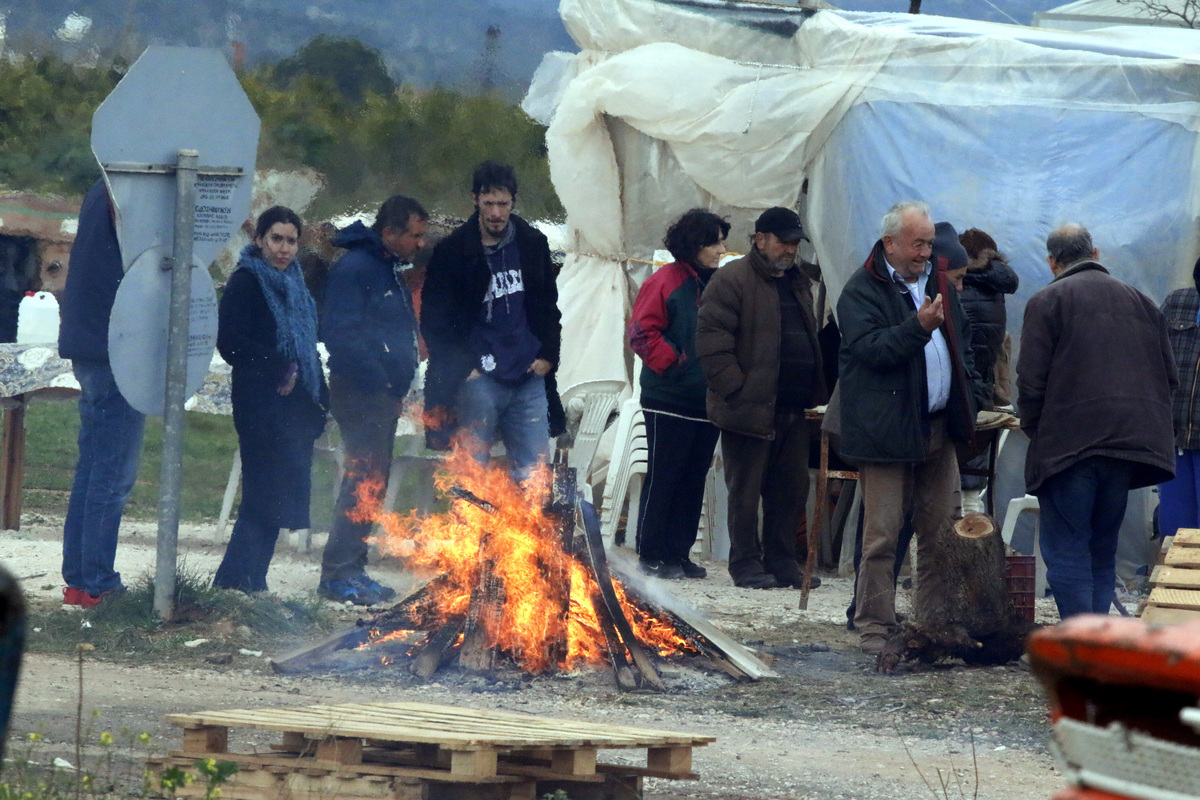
{"points": [[678, 103]]}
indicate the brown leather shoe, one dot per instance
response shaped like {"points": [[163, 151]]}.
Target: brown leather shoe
{"points": [[872, 643]]}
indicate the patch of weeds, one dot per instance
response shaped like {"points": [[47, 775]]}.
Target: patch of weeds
{"points": [[127, 624], [33, 772]]}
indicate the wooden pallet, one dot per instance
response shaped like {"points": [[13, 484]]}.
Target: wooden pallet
{"points": [[416, 751], [1175, 582]]}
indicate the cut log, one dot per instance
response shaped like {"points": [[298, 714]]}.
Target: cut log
{"points": [[622, 669], [438, 649], [968, 613], [737, 654], [975, 526], [558, 574], [599, 564], [302, 658], [478, 651]]}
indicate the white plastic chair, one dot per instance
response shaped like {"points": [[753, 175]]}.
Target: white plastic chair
{"points": [[1015, 507], [625, 470], [599, 402]]}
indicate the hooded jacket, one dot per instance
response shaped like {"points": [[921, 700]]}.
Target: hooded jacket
{"points": [[738, 340], [1094, 378], [92, 281], [883, 387], [368, 324], [988, 279], [455, 284]]}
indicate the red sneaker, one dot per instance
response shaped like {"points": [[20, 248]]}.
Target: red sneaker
{"points": [[73, 596], [78, 597]]}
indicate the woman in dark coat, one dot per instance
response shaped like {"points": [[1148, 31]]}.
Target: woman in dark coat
{"points": [[987, 279], [268, 334]]}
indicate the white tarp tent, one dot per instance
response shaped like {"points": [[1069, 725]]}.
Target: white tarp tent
{"points": [[733, 106]]}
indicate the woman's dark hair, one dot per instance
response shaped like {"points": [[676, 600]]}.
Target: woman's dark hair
{"points": [[491, 175], [692, 232], [976, 241], [274, 215]]}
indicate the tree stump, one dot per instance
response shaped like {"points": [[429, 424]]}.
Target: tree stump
{"points": [[973, 617]]}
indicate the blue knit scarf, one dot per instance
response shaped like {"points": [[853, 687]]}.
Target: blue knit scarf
{"points": [[295, 315]]}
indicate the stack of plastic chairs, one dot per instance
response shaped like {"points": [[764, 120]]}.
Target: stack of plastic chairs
{"points": [[599, 401], [627, 466]]}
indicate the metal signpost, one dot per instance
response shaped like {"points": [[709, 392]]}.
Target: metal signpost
{"points": [[177, 140]]}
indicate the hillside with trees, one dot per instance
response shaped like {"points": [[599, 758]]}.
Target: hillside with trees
{"points": [[331, 106]]}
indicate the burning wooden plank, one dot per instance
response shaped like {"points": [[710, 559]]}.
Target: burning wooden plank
{"points": [[599, 564]]}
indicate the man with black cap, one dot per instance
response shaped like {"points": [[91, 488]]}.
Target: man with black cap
{"points": [[908, 392], [756, 338]]}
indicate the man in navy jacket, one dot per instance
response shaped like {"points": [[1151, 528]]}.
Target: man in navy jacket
{"points": [[110, 430], [370, 329]]}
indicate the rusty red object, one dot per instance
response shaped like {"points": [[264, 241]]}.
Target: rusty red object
{"points": [[1081, 793], [1102, 669]]}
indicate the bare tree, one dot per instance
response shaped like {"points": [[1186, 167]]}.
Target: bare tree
{"points": [[1186, 12]]}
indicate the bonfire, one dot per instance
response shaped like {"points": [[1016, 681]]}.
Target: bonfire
{"points": [[503, 567]]}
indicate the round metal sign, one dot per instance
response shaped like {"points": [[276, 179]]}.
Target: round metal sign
{"points": [[137, 332]]}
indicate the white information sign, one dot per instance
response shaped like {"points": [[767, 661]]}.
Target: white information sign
{"points": [[172, 99]]}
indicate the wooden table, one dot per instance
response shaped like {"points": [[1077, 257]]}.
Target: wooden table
{"points": [[34, 372]]}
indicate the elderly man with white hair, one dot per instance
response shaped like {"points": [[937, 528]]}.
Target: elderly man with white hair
{"points": [[908, 392]]}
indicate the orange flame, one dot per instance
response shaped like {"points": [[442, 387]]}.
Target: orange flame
{"points": [[539, 588]]}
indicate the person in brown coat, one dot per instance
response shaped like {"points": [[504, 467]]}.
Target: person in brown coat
{"points": [[1094, 382], [756, 338]]}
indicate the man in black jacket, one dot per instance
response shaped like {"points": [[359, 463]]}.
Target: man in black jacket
{"points": [[370, 329], [490, 318], [908, 392]]}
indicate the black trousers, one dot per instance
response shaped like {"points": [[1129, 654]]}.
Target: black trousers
{"points": [[680, 455], [248, 556], [368, 426], [775, 471]]}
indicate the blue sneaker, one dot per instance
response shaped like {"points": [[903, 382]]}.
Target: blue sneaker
{"points": [[361, 590]]}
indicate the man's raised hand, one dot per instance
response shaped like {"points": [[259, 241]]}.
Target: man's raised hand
{"points": [[931, 314]]}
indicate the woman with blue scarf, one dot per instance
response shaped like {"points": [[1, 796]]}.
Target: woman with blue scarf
{"points": [[268, 333]]}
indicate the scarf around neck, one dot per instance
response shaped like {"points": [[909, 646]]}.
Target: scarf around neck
{"points": [[294, 312]]}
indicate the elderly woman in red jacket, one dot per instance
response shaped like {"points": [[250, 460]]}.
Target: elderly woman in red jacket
{"points": [[679, 436]]}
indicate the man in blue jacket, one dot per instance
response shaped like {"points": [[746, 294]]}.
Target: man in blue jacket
{"points": [[110, 430], [370, 329]]}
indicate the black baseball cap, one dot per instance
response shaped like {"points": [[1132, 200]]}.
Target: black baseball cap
{"points": [[783, 222]]}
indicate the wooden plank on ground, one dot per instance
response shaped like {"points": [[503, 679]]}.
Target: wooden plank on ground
{"points": [[451, 727], [302, 658], [740, 656], [1174, 598], [1186, 537], [1176, 577], [1156, 615], [248, 761], [1183, 557]]}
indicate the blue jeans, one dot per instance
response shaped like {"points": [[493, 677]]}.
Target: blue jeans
{"points": [[1082, 508], [110, 444], [517, 412], [1179, 499]]}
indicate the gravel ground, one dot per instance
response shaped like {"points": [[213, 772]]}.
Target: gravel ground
{"points": [[829, 728]]}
